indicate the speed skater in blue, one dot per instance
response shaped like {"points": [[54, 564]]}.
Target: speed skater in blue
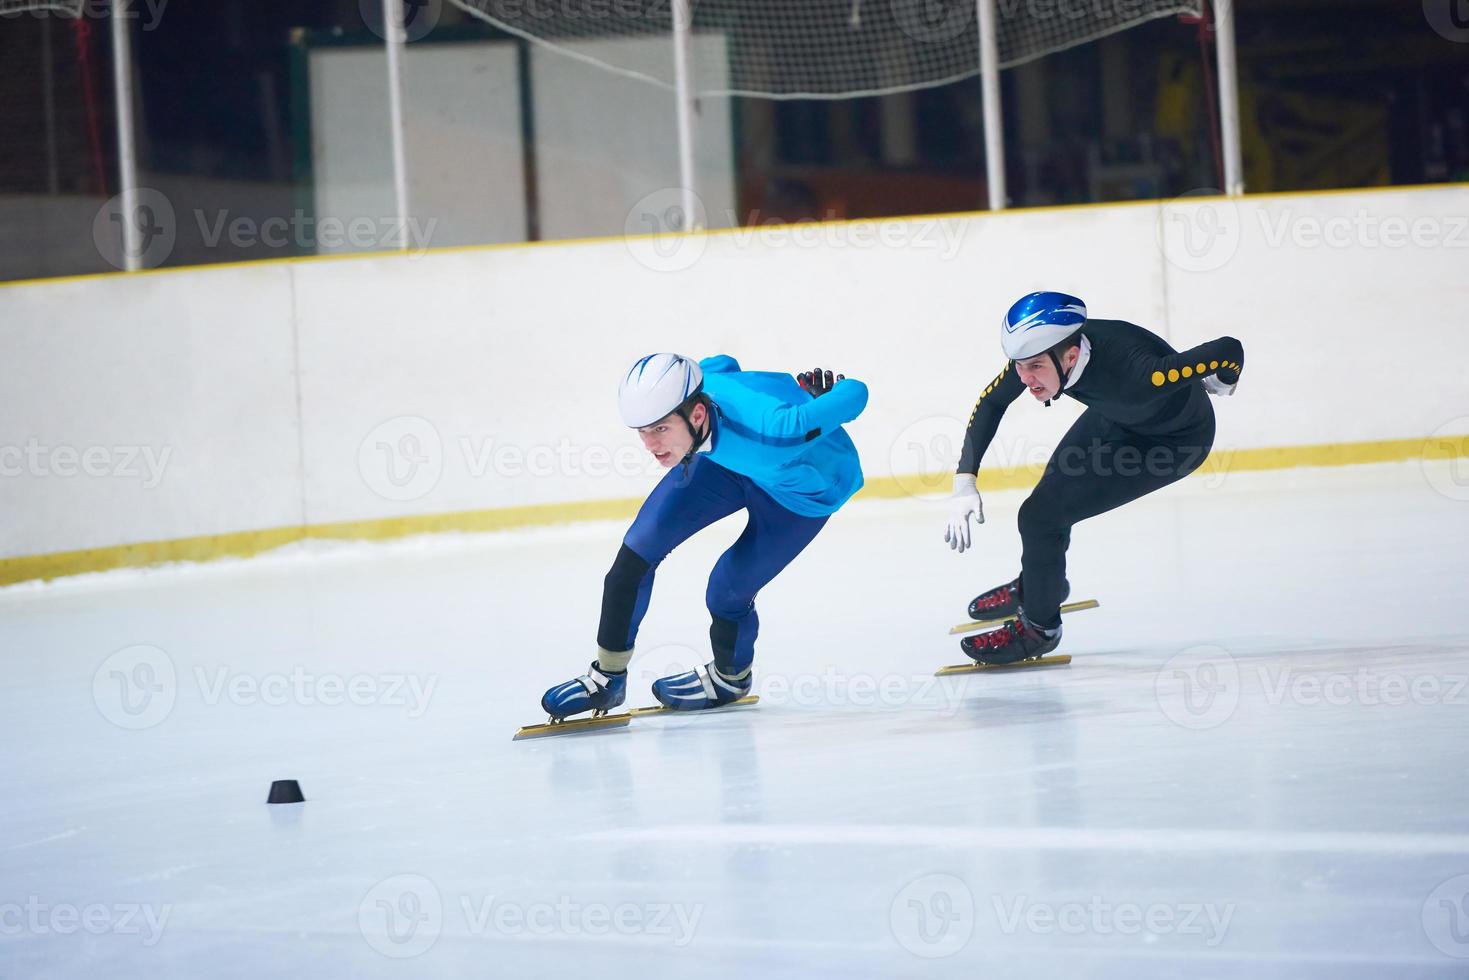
{"points": [[769, 443], [1148, 423]]}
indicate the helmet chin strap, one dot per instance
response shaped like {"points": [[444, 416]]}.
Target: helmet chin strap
{"points": [[1061, 376], [699, 439]]}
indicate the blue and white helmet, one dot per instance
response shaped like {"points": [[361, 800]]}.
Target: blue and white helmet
{"points": [[1039, 321], [656, 386]]}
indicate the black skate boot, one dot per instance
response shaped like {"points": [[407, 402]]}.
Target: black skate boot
{"points": [[1001, 602], [1017, 640]]}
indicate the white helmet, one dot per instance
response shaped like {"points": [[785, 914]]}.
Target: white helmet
{"points": [[656, 386], [1039, 321]]}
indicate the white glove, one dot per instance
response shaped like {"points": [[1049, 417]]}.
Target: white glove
{"points": [[964, 503], [1214, 386]]}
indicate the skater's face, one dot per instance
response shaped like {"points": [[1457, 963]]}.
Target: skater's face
{"points": [[1039, 373], [669, 439]]}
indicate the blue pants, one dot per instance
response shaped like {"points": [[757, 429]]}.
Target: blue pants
{"points": [[683, 503]]}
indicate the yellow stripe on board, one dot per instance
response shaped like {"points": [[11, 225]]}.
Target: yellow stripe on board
{"points": [[242, 544]]}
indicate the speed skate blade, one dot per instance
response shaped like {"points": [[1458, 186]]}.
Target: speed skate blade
{"points": [[573, 726], [983, 624], [619, 720], [659, 709], [1058, 661]]}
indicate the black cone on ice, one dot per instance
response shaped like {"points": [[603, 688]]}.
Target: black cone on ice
{"points": [[285, 791]]}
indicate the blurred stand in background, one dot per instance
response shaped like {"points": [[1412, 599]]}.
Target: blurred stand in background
{"points": [[257, 122]]}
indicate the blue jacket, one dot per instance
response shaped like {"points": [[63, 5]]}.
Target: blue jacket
{"points": [[788, 443]]}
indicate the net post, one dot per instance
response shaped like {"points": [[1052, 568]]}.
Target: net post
{"points": [[127, 163], [683, 26], [994, 134], [1234, 181], [394, 35]]}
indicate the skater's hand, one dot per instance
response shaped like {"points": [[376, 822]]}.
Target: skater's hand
{"points": [[818, 382], [964, 504], [1214, 386]]}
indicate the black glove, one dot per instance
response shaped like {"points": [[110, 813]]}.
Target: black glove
{"points": [[817, 382]]}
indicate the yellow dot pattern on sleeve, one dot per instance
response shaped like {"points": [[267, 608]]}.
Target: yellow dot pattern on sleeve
{"points": [[1213, 365], [1188, 372], [990, 388], [1172, 374], [1199, 368], [1158, 379]]}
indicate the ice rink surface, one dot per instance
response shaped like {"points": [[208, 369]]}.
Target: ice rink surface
{"points": [[1254, 767]]}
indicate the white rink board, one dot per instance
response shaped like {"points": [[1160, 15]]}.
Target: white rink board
{"points": [[520, 348], [197, 369]]}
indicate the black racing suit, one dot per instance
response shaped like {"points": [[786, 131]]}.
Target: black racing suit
{"points": [[1148, 423]]}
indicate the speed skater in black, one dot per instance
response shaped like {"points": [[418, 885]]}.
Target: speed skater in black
{"points": [[1148, 423]]}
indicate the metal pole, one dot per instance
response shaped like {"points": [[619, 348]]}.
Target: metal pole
{"points": [[994, 125], [396, 36], [683, 26], [127, 164], [1234, 178]]}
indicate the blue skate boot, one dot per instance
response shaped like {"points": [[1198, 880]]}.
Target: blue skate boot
{"points": [[596, 691], [696, 690]]}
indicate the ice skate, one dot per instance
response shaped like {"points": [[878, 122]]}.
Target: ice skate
{"points": [[699, 690], [1016, 641], [597, 691], [1001, 602]]}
